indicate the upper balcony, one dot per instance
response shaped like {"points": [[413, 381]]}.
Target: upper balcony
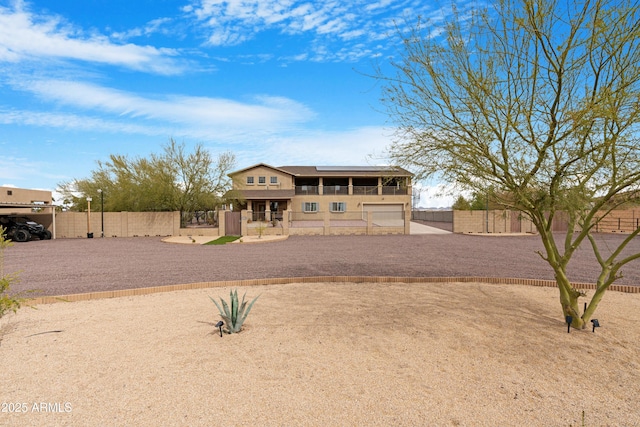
{"points": [[307, 190], [357, 190]]}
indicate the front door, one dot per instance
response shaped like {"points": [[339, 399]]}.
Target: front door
{"points": [[260, 209]]}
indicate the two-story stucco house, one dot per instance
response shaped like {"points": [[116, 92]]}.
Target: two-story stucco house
{"points": [[326, 199]]}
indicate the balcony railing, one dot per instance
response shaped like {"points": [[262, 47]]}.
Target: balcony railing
{"points": [[306, 190], [335, 189], [367, 190], [394, 190], [371, 190]]}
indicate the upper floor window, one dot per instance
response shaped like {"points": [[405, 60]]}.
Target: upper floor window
{"points": [[262, 180], [338, 207], [274, 180], [250, 180]]}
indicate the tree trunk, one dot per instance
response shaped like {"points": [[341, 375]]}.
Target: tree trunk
{"points": [[593, 304], [569, 300]]}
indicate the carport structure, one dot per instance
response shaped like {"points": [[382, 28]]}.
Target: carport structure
{"points": [[35, 204]]}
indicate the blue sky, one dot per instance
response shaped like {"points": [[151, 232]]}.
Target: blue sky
{"points": [[276, 81]]}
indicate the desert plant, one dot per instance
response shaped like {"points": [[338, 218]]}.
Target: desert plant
{"points": [[260, 228], [7, 302], [235, 313]]}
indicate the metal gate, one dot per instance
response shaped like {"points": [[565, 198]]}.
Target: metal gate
{"points": [[232, 223], [516, 222]]}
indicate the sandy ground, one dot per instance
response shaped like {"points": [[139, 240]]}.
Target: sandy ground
{"points": [[336, 354]]}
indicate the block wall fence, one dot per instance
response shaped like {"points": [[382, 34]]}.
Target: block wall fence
{"points": [[133, 224]]}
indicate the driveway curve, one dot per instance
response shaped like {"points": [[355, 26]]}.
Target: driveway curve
{"points": [[68, 266]]}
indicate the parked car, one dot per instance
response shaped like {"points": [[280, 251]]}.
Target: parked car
{"points": [[22, 229]]}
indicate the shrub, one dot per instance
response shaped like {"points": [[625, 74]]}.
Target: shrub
{"points": [[235, 313], [7, 302]]}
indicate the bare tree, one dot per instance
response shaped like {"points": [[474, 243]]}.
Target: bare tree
{"points": [[536, 103]]}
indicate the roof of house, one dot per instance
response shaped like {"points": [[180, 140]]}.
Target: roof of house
{"points": [[338, 171], [257, 166], [267, 194]]}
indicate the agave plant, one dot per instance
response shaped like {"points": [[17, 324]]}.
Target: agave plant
{"points": [[235, 315]]}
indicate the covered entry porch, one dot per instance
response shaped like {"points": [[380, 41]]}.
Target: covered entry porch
{"points": [[266, 205]]}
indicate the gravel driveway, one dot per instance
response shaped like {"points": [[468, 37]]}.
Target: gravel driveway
{"points": [[66, 266]]}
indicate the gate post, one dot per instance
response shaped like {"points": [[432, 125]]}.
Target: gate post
{"points": [[222, 217], [285, 222], [244, 216]]}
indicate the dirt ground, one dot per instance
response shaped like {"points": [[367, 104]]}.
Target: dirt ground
{"points": [[446, 354], [324, 354]]}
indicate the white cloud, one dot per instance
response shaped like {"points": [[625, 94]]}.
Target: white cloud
{"points": [[26, 36], [232, 22], [14, 170], [264, 110], [434, 196], [122, 111], [349, 147], [72, 121], [152, 27]]}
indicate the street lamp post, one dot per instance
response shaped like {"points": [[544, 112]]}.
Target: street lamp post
{"points": [[89, 233], [101, 212]]}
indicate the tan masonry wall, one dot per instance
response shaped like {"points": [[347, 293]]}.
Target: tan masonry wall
{"points": [[316, 279], [117, 224], [499, 221], [617, 221]]}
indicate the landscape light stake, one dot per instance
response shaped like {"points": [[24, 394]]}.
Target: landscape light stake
{"points": [[568, 319], [596, 324], [219, 326]]}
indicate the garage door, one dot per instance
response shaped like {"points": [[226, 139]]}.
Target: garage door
{"points": [[385, 214]]}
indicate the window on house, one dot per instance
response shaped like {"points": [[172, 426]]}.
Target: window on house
{"points": [[310, 207], [262, 180], [9, 192], [274, 180], [250, 180], [338, 207]]}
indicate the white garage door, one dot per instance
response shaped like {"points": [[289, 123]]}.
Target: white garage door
{"points": [[385, 214]]}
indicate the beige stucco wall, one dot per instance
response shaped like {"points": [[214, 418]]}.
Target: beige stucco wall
{"points": [[285, 180], [353, 202], [21, 195]]}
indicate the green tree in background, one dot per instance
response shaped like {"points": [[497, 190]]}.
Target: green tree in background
{"points": [[477, 202], [538, 100], [174, 180]]}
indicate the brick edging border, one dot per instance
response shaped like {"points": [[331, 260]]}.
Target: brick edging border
{"points": [[314, 279]]}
